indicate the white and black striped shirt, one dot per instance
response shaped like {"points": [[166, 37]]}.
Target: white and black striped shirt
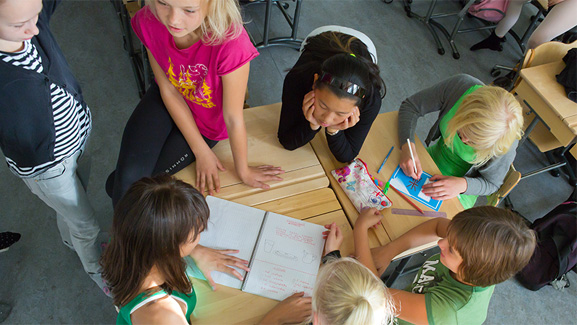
{"points": [[72, 122]]}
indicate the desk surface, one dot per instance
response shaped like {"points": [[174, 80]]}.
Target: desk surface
{"points": [[319, 206], [542, 80], [382, 136], [303, 170]]}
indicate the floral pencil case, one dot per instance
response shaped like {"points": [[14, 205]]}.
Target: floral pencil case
{"points": [[360, 187]]}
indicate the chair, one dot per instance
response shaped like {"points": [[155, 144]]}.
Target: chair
{"points": [[511, 180]]}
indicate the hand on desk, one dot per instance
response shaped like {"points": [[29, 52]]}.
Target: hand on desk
{"points": [[445, 187], [292, 310], [256, 176], [334, 238], [208, 260], [369, 218], [207, 167], [406, 162]]}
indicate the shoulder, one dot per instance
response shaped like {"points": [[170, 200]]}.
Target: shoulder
{"points": [[143, 20], [162, 311], [238, 42], [464, 81]]}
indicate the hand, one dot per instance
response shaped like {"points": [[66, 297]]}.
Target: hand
{"points": [[208, 260], [381, 258], [256, 176], [407, 163], [207, 167], [445, 187], [349, 122], [334, 238], [368, 218], [294, 309], [309, 108]]}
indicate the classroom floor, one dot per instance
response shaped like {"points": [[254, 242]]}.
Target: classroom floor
{"points": [[44, 281]]}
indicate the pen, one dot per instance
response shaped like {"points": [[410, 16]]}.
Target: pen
{"points": [[384, 161], [407, 199], [412, 157]]}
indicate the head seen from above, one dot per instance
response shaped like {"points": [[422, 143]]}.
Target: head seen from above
{"points": [[487, 245], [156, 223], [346, 292], [489, 120], [18, 20], [213, 21]]}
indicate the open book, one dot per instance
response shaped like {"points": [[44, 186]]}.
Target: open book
{"points": [[284, 252]]}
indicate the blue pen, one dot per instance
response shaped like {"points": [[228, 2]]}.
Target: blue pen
{"points": [[384, 161]]}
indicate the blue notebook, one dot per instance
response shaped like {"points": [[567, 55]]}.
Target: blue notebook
{"points": [[412, 188]]}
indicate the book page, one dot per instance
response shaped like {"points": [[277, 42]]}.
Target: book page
{"points": [[286, 259], [230, 226]]}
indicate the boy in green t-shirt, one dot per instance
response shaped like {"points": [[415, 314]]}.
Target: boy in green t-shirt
{"points": [[480, 247]]}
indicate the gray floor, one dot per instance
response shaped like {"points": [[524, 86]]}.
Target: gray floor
{"points": [[44, 281]]}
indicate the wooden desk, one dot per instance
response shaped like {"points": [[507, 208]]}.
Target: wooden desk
{"points": [[319, 206], [548, 108], [382, 136], [303, 170]]}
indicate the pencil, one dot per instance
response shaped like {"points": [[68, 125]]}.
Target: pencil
{"points": [[412, 157], [407, 199], [384, 161]]}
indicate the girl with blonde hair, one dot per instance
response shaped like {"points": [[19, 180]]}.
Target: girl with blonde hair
{"points": [[200, 55], [478, 129]]}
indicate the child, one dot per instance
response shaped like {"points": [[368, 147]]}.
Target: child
{"points": [[45, 123], [335, 84], [480, 247], [478, 130], [156, 223], [199, 53]]}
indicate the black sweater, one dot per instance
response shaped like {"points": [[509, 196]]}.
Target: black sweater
{"points": [[294, 130], [27, 132]]}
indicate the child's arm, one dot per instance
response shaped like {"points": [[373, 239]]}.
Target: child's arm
{"points": [[424, 233], [207, 164], [367, 219], [234, 88]]}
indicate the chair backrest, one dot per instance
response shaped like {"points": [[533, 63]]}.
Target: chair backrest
{"points": [[543, 54], [345, 30], [510, 181]]}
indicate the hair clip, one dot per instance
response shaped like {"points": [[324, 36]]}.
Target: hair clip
{"points": [[342, 84]]}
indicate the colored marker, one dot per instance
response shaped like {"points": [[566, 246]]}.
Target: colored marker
{"points": [[384, 161]]}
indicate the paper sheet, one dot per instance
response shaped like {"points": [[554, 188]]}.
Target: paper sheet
{"points": [[413, 188], [230, 226], [287, 258]]}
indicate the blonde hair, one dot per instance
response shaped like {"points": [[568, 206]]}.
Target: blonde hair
{"points": [[223, 21], [346, 292], [494, 244], [491, 118]]}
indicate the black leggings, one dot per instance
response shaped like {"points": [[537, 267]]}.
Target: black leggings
{"points": [[151, 144]]}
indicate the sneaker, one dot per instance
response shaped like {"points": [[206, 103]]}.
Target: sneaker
{"points": [[7, 239]]}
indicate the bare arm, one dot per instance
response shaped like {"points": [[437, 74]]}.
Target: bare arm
{"points": [[207, 163], [234, 88]]}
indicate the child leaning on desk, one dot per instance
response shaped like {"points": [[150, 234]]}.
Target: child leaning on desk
{"points": [[156, 223], [335, 84], [200, 55], [480, 247], [478, 129]]}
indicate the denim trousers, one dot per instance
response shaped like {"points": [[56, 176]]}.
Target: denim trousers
{"points": [[61, 189]]}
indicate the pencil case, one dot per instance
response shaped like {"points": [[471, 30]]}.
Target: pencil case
{"points": [[360, 186]]}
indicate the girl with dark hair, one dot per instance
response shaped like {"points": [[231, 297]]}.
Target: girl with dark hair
{"points": [[156, 223], [335, 84]]}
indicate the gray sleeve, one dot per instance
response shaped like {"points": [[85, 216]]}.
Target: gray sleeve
{"points": [[487, 179], [437, 98]]}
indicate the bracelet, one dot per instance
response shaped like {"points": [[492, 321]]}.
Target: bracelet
{"points": [[332, 133]]}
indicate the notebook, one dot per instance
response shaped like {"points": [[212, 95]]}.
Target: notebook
{"points": [[284, 252]]}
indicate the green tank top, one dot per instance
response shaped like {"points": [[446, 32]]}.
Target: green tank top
{"points": [[142, 299], [454, 161]]}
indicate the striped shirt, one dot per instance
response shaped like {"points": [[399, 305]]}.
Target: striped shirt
{"points": [[72, 121]]}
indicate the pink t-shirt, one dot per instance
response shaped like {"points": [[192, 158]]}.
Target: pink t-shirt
{"points": [[195, 71]]}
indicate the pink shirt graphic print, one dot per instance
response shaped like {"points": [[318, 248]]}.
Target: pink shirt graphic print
{"points": [[195, 71]]}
